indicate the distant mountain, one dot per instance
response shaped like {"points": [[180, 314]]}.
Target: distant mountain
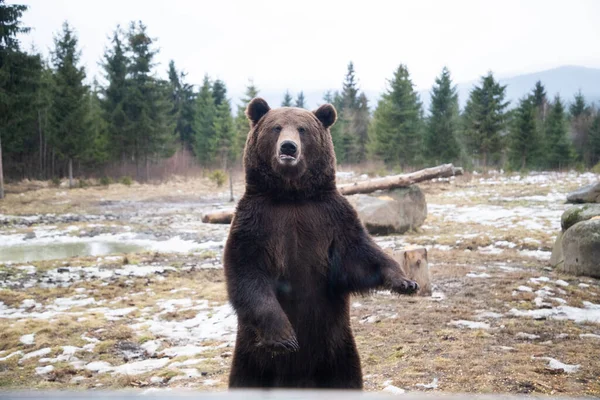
{"points": [[565, 81]]}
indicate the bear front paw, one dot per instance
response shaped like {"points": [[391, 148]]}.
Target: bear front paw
{"points": [[405, 286], [287, 343]]}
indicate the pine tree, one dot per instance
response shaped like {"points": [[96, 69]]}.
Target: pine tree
{"points": [[116, 65], [336, 130], [204, 132], [70, 105], [287, 99], [360, 126], [485, 118], [595, 139], [397, 126], [442, 125], [580, 123], [559, 151], [219, 92], [225, 134], [183, 106], [300, 101], [20, 75], [350, 89], [242, 125], [147, 103], [524, 143], [98, 150]]}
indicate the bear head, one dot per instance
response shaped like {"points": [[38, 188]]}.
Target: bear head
{"points": [[289, 151]]}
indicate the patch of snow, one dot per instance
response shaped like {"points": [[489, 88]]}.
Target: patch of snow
{"points": [[393, 389], [188, 350], [490, 250], [27, 339], [151, 346], [470, 324], [156, 380], [583, 285], [524, 289], [589, 335], [429, 386], [557, 365], [539, 254], [37, 353], [141, 367], [538, 281], [590, 313], [99, 366], [44, 370], [356, 304], [16, 353], [560, 282], [483, 275], [489, 314], [526, 336], [211, 382]]}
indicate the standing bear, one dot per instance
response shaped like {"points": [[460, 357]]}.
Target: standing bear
{"points": [[295, 252]]}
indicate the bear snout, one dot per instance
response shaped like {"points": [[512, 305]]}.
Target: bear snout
{"points": [[288, 148]]}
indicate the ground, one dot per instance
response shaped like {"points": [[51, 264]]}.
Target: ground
{"points": [[500, 318]]}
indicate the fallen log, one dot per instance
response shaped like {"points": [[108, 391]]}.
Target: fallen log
{"points": [[386, 183], [402, 180], [219, 217]]}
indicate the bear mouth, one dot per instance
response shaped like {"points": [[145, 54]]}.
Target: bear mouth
{"points": [[286, 159]]}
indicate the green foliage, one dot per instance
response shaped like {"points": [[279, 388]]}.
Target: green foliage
{"points": [[126, 180], [287, 99], [242, 125], [147, 106], [594, 138], [105, 181], [71, 131], [596, 168], [83, 184], [559, 153], [484, 118], [183, 107], [55, 181], [204, 132], [524, 143], [441, 142], [300, 101], [218, 177], [397, 126], [225, 134]]}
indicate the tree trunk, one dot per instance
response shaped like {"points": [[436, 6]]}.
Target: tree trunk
{"points": [[231, 185], [523, 162], [398, 181], [484, 161], [1, 172], [70, 173]]}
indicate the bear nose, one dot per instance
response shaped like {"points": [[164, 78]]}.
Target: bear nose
{"points": [[288, 148]]}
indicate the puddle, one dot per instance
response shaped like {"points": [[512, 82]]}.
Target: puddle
{"points": [[53, 251]]}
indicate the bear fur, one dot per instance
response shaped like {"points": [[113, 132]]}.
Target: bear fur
{"points": [[295, 252]]}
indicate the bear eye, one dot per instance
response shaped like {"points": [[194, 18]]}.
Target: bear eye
{"points": [[301, 129], [277, 129]]}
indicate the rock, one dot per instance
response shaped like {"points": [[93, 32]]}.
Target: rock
{"points": [[586, 194], [577, 214], [394, 211], [581, 249]]}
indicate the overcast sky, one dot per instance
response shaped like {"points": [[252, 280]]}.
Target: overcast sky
{"points": [[306, 45]]}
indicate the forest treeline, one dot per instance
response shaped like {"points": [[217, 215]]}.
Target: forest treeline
{"points": [[54, 122]]}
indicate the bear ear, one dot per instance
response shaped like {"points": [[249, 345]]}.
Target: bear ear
{"points": [[257, 108], [326, 114]]}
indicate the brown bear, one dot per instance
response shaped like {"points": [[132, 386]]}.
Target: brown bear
{"points": [[295, 252]]}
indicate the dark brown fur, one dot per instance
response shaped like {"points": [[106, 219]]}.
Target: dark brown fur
{"points": [[295, 252]]}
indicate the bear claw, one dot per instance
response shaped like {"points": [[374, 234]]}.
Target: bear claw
{"points": [[280, 346], [406, 287]]}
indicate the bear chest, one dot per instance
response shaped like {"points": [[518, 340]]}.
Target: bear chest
{"points": [[298, 238]]}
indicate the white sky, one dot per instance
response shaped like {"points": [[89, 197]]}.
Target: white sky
{"points": [[306, 45]]}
